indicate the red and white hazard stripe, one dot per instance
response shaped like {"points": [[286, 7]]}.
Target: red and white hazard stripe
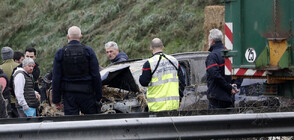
{"points": [[248, 72], [228, 46], [228, 61]]}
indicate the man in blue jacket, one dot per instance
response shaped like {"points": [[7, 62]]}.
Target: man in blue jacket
{"points": [[220, 90], [113, 53], [76, 76]]}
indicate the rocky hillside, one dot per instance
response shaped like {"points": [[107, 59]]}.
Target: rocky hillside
{"points": [[131, 23]]}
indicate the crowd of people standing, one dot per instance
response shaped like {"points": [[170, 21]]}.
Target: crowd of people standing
{"points": [[77, 85]]}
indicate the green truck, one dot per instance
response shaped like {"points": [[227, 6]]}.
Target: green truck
{"points": [[258, 41]]}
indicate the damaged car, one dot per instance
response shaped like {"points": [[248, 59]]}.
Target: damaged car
{"points": [[122, 92]]}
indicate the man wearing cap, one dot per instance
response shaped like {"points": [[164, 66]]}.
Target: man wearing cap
{"points": [[27, 98], [8, 63], [76, 76], [7, 67]]}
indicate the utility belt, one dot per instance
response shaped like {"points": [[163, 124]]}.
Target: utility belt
{"points": [[78, 87]]}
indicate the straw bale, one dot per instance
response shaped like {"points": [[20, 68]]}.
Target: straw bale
{"points": [[214, 18]]}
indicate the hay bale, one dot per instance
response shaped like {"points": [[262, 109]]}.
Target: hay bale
{"points": [[214, 18]]}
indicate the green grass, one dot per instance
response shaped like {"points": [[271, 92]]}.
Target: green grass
{"points": [[131, 23]]}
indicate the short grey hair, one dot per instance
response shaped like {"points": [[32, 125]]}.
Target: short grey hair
{"points": [[111, 44], [74, 32], [216, 35], [27, 61], [156, 43]]}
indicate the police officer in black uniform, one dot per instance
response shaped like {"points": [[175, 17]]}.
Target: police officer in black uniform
{"points": [[76, 76]]}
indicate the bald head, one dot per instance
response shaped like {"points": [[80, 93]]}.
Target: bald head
{"points": [[74, 33], [156, 43]]}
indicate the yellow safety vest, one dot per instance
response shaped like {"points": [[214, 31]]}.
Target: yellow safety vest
{"points": [[163, 89]]}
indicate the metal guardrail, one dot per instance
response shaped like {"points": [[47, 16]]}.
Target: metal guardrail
{"points": [[183, 127]]}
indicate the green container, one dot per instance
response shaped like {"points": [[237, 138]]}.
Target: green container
{"points": [[261, 34], [262, 37]]}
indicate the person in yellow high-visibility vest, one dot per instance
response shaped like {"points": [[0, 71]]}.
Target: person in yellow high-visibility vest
{"points": [[160, 75]]}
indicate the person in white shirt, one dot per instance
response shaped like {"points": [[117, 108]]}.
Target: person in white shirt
{"points": [[27, 98]]}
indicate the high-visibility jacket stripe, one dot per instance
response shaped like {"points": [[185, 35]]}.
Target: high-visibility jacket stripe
{"points": [[164, 79], [163, 99]]}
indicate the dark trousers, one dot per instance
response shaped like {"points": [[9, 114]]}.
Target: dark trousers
{"points": [[214, 104], [43, 94], [13, 113], [21, 114], [3, 108], [76, 102]]}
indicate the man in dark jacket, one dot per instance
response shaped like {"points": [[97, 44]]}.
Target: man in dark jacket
{"points": [[220, 90], [32, 53], [76, 76], [113, 53], [46, 85]]}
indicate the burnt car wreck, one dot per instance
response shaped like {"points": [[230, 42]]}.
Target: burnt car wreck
{"points": [[122, 92]]}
